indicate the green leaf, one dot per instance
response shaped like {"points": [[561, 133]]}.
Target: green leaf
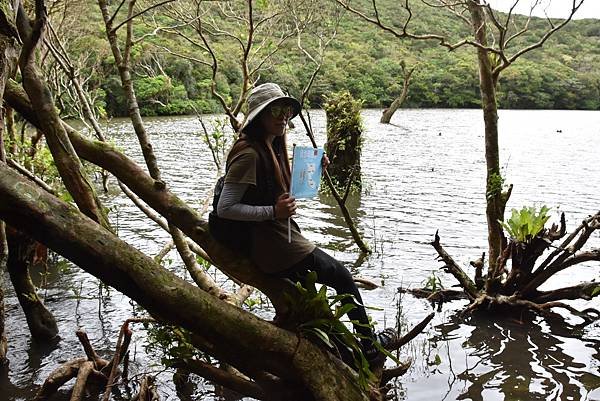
{"points": [[322, 335], [523, 225], [344, 309]]}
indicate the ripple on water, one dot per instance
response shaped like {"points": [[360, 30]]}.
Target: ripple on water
{"points": [[425, 172]]}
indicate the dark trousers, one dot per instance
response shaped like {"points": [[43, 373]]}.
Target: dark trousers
{"points": [[333, 274]]}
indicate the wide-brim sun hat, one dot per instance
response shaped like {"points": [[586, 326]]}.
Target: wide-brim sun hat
{"points": [[263, 95]]}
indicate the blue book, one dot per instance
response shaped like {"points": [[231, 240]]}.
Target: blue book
{"points": [[306, 171]]}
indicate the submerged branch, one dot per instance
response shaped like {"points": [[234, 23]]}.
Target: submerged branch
{"points": [[450, 266], [415, 331]]}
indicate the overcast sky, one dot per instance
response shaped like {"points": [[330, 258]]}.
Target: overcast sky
{"points": [[554, 8]]}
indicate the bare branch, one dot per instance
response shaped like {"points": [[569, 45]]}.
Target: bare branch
{"points": [[575, 6], [566, 255], [30, 175], [112, 18], [450, 265], [404, 34], [130, 16], [415, 331], [587, 291]]}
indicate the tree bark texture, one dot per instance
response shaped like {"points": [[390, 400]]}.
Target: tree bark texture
{"points": [[389, 112], [239, 335], [67, 163], [8, 62], [495, 204], [22, 249]]}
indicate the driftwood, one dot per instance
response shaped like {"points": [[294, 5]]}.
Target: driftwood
{"points": [[515, 287], [92, 371]]}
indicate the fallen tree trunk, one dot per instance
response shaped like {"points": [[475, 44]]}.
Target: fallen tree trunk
{"points": [[232, 332]]}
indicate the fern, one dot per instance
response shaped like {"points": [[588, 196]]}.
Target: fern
{"points": [[525, 224]]}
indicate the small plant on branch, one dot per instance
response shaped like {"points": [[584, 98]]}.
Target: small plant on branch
{"points": [[526, 223]]}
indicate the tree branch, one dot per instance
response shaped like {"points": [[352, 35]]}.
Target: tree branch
{"points": [[586, 291], [450, 266], [133, 16], [235, 382]]}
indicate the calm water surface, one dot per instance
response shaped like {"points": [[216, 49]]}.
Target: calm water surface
{"points": [[423, 173]]}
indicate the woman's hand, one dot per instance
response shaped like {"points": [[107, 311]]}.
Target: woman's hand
{"points": [[325, 161], [285, 206]]}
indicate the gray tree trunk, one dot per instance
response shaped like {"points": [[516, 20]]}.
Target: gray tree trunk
{"points": [[389, 112], [67, 163], [495, 201]]}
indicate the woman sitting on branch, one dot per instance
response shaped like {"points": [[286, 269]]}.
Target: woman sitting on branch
{"points": [[256, 192]]}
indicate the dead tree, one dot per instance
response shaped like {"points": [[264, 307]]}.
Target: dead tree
{"points": [[314, 50], [494, 38], [399, 101], [91, 372]]}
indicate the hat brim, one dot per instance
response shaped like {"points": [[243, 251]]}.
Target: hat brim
{"points": [[254, 113]]}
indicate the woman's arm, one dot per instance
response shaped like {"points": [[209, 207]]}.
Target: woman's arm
{"points": [[229, 206]]}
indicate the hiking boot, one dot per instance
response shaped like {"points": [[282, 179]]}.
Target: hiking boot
{"points": [[373, 354]]}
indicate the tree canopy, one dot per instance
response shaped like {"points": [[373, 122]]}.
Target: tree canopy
{"points": [[361, 59]]}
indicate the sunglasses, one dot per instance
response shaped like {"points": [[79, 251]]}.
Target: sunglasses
{"points": [[278, 111]]}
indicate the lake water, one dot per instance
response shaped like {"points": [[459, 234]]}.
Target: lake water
{"points": [[423, 173]]}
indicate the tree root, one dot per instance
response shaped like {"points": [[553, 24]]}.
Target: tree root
{"points": [[84, 371], [365, 283], [443, 295], [58, 377], [502, 302], [452, 267], [120, 351], [519, 290]]}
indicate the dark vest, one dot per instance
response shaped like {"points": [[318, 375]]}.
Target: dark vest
{"points": [[236, 234]]}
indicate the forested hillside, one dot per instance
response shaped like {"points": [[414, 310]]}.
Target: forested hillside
{"points": [[172, 77]]}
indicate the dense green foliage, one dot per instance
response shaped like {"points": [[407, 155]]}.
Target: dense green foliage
{"points": [[362, 59]]}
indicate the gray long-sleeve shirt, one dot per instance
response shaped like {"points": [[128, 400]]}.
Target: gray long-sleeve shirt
{"points": [[229, 206]]}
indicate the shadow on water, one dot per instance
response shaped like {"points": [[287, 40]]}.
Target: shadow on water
{"points": [[525, 359]]}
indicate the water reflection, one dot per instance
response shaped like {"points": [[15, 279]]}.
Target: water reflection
{"points": [[415, 181], [513, 359], [334, 226]]}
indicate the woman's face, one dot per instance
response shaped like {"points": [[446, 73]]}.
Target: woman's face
{"points": [[274, 118]]}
